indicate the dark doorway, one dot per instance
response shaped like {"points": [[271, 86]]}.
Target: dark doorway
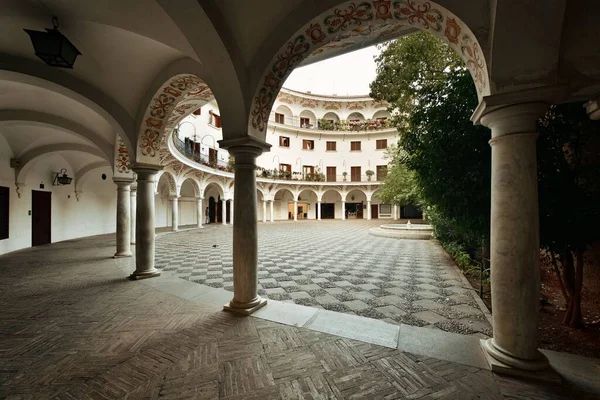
{"points": [[354, 210], [374, 211], [211, 210], [4, 212], [41, 217], [219, 211], [228, 211], [410, 212], [327, 210]]}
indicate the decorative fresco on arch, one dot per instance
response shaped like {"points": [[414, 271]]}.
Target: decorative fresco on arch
{"points": [[363, 21], [163, 112]]}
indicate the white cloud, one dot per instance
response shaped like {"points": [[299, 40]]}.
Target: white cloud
{"points": [[348, 74]]}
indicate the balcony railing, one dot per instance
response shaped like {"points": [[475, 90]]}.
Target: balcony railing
{"points": [[317, 176], [330, 125]]}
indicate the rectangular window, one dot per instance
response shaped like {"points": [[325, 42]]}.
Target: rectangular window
{"points": [[381, 172], [308, 144], [217, 120], [4, 203], [279, 118], [305, 122], [331, 174], [385, 209], [212, 156], [285, 167], [284, 141], [354, 146], [331, 146], [381, 144], [355, 174], [308, 170]]}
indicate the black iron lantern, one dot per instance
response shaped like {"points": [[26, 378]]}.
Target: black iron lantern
{"points": [[53, 47], [61, 178]]}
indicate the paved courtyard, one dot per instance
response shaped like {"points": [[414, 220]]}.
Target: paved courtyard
{"points": [[338, 266]]}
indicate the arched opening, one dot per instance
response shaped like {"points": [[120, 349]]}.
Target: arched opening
{"points": [[188, 209], [283, 115], [331, 205], [307, 204], [283, 204], [215, 192], [163, 211], [356, 205], [308, 119]]}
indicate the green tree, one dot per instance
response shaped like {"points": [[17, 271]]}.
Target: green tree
{"points": [[433, 96], [399, 185], [569, 194]]}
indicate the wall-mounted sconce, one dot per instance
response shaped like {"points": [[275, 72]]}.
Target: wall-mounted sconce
{"points": [[352, 197], [61, 178]]}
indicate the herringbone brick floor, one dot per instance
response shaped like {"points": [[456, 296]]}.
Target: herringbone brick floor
{"points": [[72, 327]]}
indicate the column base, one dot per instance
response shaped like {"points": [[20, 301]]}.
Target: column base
{"points": [[144, 275], [502, 363], [174, 230], [245, 308], [123, 254]]}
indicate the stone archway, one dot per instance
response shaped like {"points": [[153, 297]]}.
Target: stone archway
{"points": [[374, 20]]}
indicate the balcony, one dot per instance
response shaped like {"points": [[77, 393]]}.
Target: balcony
{"points": [[199, 157], [368, 125]]}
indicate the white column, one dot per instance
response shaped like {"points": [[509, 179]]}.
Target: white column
{"points": [[245, 234], [368, 210], [123, 217], [295, 210], [199, 204], [343, 209], [272, 211], [319, 210], [174, 213], [223, 211], [133, 207], [144, 225], [395, 211], [231, 213], [514, 239], [264, 203]]}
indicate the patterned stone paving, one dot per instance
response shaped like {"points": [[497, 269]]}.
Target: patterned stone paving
{"points": [[72, 327], [337, 266]]}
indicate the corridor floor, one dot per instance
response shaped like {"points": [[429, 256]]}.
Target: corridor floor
{"points": [[338, 266], [73, 327]]}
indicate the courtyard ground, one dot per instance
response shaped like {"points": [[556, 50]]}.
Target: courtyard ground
{"points": [[336, 265]]}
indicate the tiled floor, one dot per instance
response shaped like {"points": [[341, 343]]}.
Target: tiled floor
{"points": [[338, 266], [72, 327]]}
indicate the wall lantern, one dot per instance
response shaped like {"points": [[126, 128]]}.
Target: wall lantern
{"points": [[53, 47], [61, 178]]}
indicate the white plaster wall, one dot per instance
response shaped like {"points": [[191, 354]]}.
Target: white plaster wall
{"points": [[187, 211], [93, 214]]}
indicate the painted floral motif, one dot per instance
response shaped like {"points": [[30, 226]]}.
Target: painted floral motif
{"points": [[380, 103], [262, 106], [286, 98], [352, 16], [332, 105], [149, 142], [293, 53], [419, 14], [452, 30], [272, 81], [474, 59], [122, 160], [382, 9], [354, 105], [310, 103], [315, 33]]}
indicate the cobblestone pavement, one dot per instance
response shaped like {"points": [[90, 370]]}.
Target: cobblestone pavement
{"points": [[338, 266], [72, 327]]}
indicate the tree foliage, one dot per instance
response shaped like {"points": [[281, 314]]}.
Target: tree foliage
{"points": [[433, 96], [399, 185]]}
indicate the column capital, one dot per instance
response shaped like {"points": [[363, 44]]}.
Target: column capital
{"points": [[142, 168], [545, 95], [245, 145], [174, 197], [123, 181]]}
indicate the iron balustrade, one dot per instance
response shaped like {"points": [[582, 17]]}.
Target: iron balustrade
{"points": [[199, 157], [330, 125]]}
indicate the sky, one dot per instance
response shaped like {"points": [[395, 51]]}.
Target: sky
{"points": [[348, 74]]}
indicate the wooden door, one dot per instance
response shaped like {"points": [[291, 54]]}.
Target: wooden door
{"points": [[41, 217], [374, 211]]}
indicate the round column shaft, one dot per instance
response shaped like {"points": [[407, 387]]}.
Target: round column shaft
{"points": [[368, 210], [514, 240], [174, 213], [200, 211], [272, 211], [144, 233], [319, 210], [133, 206], [343, 210], [223, 211], [295, 210], [264, 203], [123, 217]]}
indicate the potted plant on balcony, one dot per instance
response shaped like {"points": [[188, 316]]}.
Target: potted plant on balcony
{"points": [[369, 173], [345, 174]]}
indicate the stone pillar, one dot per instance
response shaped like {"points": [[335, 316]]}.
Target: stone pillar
{"points": [[231, 213], [224, 211], [395, 212], [514, 239], [343, 209], [295, 210], [200, 207], [368, 210], [245, 234], [272, 211], [174, 213], [123, 217], [144, 232], [264, 203], [133, 207], [319, 210]]}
